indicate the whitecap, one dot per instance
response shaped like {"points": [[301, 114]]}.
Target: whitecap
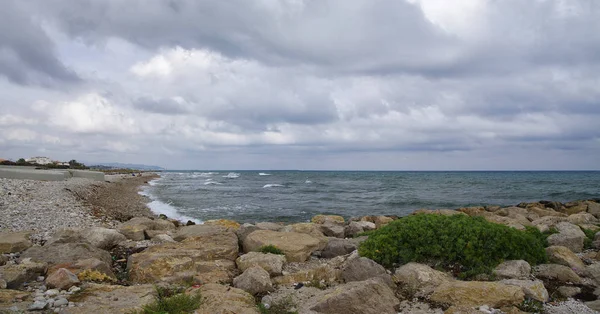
{"points": [[212, 183], [169, 210], [264, 174], [308, 182], [272, 185], [232, 175]]}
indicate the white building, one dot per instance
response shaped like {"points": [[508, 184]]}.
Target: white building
{"points": [[39, 160]]}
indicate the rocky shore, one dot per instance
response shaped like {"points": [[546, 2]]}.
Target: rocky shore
{"points": [[83, 247]]}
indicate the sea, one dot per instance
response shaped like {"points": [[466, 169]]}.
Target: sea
{"points": [[296, 196]]}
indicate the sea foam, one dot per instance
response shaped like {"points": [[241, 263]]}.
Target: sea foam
{"points": [[169, 210], [272, 185]]}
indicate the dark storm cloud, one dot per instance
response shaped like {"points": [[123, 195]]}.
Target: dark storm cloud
{"points": [[26, 53]]}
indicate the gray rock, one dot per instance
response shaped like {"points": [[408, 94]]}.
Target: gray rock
{"points": [[556, 273], [13, 242], [245, 230], [568, 291], [163, 238], [3, 284], [593, 208], [362, 268], [594, 305], [254, 280], [272, 263], [419, 280], [61, 302], [102, 238], [336, 247], [593, 272], [38, 306], [356, 227], [332, 230], [514, 269], [15, 275], [569, 236], [59, 253], [365, 297], [533, 289]]}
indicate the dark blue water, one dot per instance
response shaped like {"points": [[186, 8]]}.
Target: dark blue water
{"points": [[247, 196]]}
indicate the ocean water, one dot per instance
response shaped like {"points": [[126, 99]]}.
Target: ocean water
{"points": [[296, 196]]}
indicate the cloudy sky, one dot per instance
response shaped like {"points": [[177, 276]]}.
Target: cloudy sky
{"points": [[303, 84]]}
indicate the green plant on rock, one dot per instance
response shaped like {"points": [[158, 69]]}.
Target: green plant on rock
{"points": [[284, 306], [589, 237], [531, 306], [270, 249], [467, 245], [171, 301]]}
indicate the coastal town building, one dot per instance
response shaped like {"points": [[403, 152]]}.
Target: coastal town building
{"points": [[39, 160]]}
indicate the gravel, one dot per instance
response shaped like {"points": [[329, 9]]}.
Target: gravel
{"points": [[569, 306], [44, 207]]}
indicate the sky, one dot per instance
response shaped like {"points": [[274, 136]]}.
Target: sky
{"points": [[303, 84]]}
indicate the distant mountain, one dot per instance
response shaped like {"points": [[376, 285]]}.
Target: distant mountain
{"points": [[118, 165]]}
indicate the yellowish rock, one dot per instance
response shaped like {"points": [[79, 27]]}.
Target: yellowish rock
{"points": [[297, 247], [309, 228], [110, 299], [322, 219], [563, 256], [223, 223], [477, 293], [13, 242]]}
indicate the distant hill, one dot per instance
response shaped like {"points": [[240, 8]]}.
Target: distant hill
{"points": [[118, 165]]}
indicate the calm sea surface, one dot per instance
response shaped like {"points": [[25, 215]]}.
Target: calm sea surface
{"points": [[296, 196]]}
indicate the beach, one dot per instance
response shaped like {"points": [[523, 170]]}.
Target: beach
{"points": [[46, 206], [81, 246]]}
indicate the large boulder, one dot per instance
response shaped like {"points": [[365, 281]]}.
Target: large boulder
{"points": [[477, 293], [556, 273], [197, 231], [13, 242], [226, 223], [309, 228], [593, 272], [272, 263], [16, 275], [336, 247], [62, 279], [533, 289], [208, 258], [582, 219], [544, 212], [569, 235], [419, 280], [563, 256], [59, 253], [219, 299], [513, 269], [135, 228], [297, 247], [328, 273], [356, 227], [332, 230], [107, 299], [245, 230], [362, 268], [593, 208], [575, 207], [365, 297], [254, 280], [103, 238], [91, 266]]}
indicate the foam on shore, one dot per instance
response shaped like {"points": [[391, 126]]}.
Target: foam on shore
{"points": [[158, 207]]}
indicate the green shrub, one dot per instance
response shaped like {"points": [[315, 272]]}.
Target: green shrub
{"points": [[169, 301], [589, 238], [284, 306], [467, 245], [270, 249], [531, 306]]}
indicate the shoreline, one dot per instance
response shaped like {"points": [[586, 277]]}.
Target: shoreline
{"points": [[113, 261]]}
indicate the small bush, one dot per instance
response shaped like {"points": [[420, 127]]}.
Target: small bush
{"points": [[589, 238], [169, 301], [285, 306], [531, 306], [467, 245], [270, 249]]}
